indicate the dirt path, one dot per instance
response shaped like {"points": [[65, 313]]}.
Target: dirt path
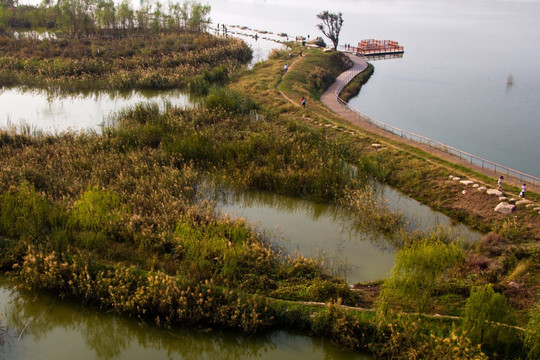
{"points": [[432, 316], [281, 92]]}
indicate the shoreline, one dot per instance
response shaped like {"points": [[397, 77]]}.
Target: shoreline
{"points": [[329, 98]]}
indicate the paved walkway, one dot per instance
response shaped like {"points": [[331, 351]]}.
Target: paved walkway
{"points": [[329, 99]]}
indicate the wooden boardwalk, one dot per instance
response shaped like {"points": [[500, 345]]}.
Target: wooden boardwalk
{"points": [[329, 98]]}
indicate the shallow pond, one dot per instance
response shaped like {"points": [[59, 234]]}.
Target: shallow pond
{"points": [[39, 111], [327, 231], [48, 113], [43, 327]]}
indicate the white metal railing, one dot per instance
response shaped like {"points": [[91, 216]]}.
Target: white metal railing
{"points": [[473, 159]]}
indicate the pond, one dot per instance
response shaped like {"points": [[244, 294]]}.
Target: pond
{"points": [[41, 111], [328, 232], [42, 327]]}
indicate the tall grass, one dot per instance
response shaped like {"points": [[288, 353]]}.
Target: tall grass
{"points": [[161, 61]]}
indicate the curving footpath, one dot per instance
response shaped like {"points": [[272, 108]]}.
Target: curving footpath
{"points": [[330, 99]]}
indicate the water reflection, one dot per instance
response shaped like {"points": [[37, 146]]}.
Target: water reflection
{"points": [[261, 42], [56, 111], [421, 217], [53, 112], [60, 329], [328, 231]]}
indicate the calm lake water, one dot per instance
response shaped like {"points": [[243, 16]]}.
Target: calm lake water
{"points": [[55, 329], [451, 84]]}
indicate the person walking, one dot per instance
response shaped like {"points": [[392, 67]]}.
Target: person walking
{"points": [[523, 189], [499, 183], [303, 101]]}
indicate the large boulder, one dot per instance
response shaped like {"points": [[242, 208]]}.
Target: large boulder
{"points": [[494, 192], [467, 182], [318, 41], [524, 201], [505, 208]]}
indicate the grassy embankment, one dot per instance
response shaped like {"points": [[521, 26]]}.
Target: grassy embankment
{"points": [[114, 219]]}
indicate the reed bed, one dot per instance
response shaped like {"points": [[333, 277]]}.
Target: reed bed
{"points": [[128, 196], [161, 61]]}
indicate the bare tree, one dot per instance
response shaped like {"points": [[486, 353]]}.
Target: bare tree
{"points": [[331, 26]]}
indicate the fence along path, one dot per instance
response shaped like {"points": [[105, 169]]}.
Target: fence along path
{"points": [[331, 97]]}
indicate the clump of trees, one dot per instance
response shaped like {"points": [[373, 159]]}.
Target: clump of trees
{"points": [[90, 17], [484, 310]]}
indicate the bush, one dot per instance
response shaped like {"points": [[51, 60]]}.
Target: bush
{"points": [[320, 78], [418, 269], [532, 334], [229, 100], [96, 217], [483, 308], [26, 214], [511, 229], [338, 325], [407, 339]]}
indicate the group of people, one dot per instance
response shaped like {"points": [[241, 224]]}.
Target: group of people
{"points": [[523, 187]]}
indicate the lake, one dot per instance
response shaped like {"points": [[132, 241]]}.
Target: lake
{"points": [[451, 84]]}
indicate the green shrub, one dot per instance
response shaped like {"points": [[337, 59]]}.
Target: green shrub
{"points": [[320, 78], [419, 268], [338, 325], [26, 214], [229, 100], [198, 86], [96, 217], [511, 229], [483, 308], [402, 338], [532, 334]]}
